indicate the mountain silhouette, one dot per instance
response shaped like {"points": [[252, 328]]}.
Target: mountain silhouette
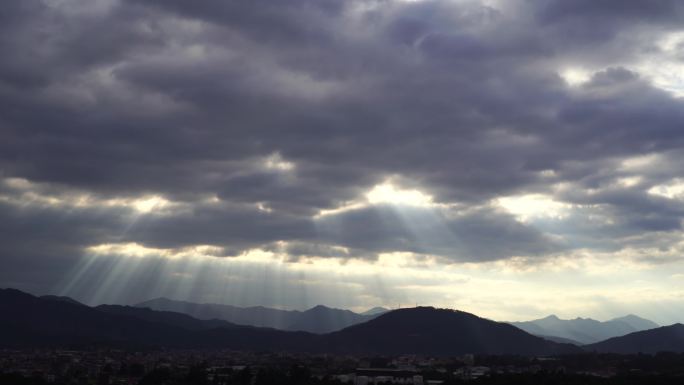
{"points": [[426, 330], [166, 317], [560, 340], [29, 321], [584, 330], [322, 319], [61, 298], [375, 311], [319, 319], [26, 320], [636, 322], [662, 339]]}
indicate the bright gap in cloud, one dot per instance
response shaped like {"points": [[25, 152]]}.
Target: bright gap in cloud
{"points": [[671, 190], [385, 193], [640, 163], [36, 193], [388, 193], [146, 205], [575, 76], [533, 205], [276, 162], [665, 69], [137, 250], [666, 75]]}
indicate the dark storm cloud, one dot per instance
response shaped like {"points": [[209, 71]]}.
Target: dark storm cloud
{"points": [[611, 11], [464, 102]]}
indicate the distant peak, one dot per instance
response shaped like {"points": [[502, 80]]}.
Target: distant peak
{"points": [[552, 317], [154, 300], [630, 316], [159, 299], [376, 310], [636, 321], [320, 307]]}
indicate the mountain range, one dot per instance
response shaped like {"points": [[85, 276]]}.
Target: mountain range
{"points": [[322, 319], [29, 321], [582, 331], [319, 319]]}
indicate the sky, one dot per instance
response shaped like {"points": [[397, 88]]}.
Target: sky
{"points": [[512, 159]]}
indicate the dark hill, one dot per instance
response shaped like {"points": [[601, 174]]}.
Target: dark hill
{"points": [[662, 339], [28, 321], [440, 331], [61, 298]]}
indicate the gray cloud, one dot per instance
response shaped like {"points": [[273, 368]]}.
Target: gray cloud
{"points": [[461, 101]]}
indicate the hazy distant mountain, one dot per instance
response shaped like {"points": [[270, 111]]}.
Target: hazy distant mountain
{"points": [[585, 330], [426, 330], [319, 319], [662, 339], [29, 321], [637, 322], [254, 316], [166, 317], [376, 311], [560, 340]]}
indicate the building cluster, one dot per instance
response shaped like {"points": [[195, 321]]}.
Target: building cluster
{"points": [[111, 367]]}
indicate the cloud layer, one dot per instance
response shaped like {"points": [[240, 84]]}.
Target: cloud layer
{"points": [[514, 130]]}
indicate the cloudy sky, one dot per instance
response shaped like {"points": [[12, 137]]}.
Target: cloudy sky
{"points": [[508, 158]]}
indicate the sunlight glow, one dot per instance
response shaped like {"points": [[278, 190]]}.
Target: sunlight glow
{"points": [[276, 162], [575, 76], [672, 190], [263, 207], [640, 162], [388, 193], [665, 69], [671, 42], [385, 193], [533, 205], [629, 181], [145, 205], [26, 191], [137, 250], [666, 75]]}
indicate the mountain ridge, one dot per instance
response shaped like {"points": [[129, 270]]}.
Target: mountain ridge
{"points": [[318, 319], [29, 321], [585, 330]]}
